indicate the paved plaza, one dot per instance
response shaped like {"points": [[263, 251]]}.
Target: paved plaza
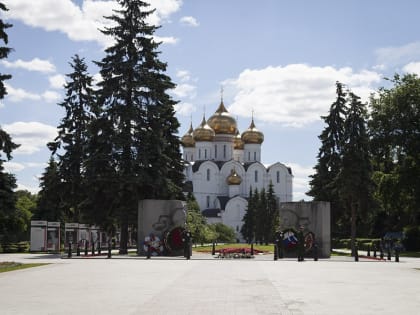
{"points": [[205, 285]]}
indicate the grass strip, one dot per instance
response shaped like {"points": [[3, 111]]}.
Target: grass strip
{"points": [[11, 266]]}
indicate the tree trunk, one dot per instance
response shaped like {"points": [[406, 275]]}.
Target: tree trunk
{"points": [[124, 235], [353, 227]]}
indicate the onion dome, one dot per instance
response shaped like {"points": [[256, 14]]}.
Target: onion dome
{"points": [[233, 178], [222, 122], [238, 144], [203, 132], [187, 140], [252, 135]]}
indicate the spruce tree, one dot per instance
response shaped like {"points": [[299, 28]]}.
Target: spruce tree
{"points": [[8, 222], [50, 197], [4, 50], [72, 136], [322, 184], [248, 228], [354, 181], [133, 96], [272, 214]]}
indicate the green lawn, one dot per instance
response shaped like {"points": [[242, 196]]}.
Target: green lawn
{"points": [[208, 248], [11, 266]]}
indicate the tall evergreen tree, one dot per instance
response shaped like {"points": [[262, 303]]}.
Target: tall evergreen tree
{"points": [[8, 223], [72, 136], [133, 93], [272, 214], [329, 162], [354, 179], [248, 227], [4, 50], [50, 199]]}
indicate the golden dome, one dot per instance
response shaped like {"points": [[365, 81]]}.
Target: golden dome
{"points": [[252, 135], [238, 144], [222, 122], [187, 140], [203, 132], [233, 178]]}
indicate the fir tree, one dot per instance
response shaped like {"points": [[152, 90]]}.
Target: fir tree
{"points": [[354, 179], [272, 214], [73, 137], [133, 95], [8, 215], [329, 163], [50, 200], [4, 51], [248, 228]]}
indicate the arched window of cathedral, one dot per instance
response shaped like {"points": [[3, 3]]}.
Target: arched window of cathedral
{"points": [[249, 156], [208, 174], [224, 150], [205, 154], [256, 176], [255, 156], [278, 176], [208, 201], [215, 151], [199, 154]]}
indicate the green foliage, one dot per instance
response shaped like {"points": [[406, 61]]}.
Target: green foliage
{"points": [[4, 52], [79, 105], [25, 206], [196, 223], [19, 247], [411, 241], [49, 205], [248, 228], [395, 129], [137, 121], [343, 174], [261, 218], [353, 182], [225, 234], [329, 162]]}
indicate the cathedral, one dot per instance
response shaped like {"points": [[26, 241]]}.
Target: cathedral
{"points": [[222, 165]]}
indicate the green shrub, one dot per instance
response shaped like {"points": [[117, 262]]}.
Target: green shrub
{"points": [[411, 241], [20, 247]]}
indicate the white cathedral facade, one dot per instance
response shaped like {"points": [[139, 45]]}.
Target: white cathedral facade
{"points": [[223, 165]]}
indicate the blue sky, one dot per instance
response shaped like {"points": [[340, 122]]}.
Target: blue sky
{"points": [[277, 58]]}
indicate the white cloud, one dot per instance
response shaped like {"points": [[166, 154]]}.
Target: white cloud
{"points": [[185, 109], [32, 136], [32, 190], [166, 40], [294, 95], [183, 75], [398, 55], [80, 23], [57, 81], [13, 167], [300, 180], [51, 96], [184, 90], [412, 67], [36, 64], [190, 21], [18, 94]]}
